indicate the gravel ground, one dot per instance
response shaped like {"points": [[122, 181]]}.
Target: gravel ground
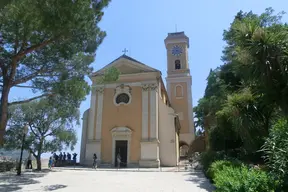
{"points": [[78, 180]]}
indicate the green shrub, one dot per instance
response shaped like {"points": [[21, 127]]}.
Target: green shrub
{"points": [[275, 149], [239, 178], [207, 158], [217, 166]]}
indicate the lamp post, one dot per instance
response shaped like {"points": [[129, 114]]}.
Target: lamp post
{"points": [[25, 131]]}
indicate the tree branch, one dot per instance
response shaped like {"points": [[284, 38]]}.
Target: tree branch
{"points": [[33, 131], [53, 131], [31, 99], [26, 86], [28, 77], [34, 154], [35, 47]]}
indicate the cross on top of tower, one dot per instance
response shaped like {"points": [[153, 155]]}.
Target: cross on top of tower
{"points": [[125, 51]]}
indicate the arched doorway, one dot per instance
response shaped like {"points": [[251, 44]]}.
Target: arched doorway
{"points": [[183, 149]]}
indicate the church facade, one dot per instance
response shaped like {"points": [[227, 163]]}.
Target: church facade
{"points": [[137, 117]]}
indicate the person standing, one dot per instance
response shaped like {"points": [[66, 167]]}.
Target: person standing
{"points": [[74, 158], [29, 161], [60, 158], [69, 158], [118, 160], [50, 163], [64, 158], [94, 161]]}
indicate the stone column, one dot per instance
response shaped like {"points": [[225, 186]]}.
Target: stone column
{"points": [[100, 92], [150, 147], [91, 118], [94, 145], [84, 137], [145, 91], [154, 112]]}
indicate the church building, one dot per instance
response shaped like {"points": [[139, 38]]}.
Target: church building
{"points": [[137, 117]]}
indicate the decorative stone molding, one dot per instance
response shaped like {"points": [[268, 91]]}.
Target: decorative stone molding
{"points": [[121, 131], [100, 90], [94, 141], [150, 141], [122, 89], [145, 87], [153, 87]]}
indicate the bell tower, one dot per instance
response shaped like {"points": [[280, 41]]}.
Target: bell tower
{"points": [[179, 82]]}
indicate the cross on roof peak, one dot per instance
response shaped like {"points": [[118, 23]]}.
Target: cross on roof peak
{"points": [[125, 51]]}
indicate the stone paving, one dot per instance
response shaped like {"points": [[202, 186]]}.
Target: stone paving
{"points": [[83, 179]]}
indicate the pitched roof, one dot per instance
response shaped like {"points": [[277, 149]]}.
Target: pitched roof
{"points": [[128, 58]]}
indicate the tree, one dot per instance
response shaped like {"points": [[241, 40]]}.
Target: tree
{"points": [[257, 46], [50, 127], [47, 46], [246, 94]]}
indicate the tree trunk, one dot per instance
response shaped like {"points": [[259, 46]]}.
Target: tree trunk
{"points": [[38, 162], [4, 110], [39, 154]]}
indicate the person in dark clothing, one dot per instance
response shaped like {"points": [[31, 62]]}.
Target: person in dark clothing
{"points": [[74, 158], [64, 156], [56, 157], [69, 157], [60, 158], [94, 161], [29, 161]]}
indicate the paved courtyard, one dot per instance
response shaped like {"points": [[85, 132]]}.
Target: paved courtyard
{"points": [[64, 180]]}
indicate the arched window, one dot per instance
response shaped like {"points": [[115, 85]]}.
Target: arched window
{"points": [[178, 91], [122, 98], [177, 64]]}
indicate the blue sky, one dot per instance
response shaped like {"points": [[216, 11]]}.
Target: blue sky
{"points": [[141, 28]]}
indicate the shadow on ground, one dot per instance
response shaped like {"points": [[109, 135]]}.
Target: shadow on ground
{"points": [[201, 181], [12, 182]]}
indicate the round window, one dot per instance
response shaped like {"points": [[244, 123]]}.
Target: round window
{"points": [[122, 98]]}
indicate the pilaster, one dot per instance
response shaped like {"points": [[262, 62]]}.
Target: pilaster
{"points": [[100, 92], [92, 115], [145, 90], [94, 144], [190, 108], [153, 112], [84, 136], [150, 146]]}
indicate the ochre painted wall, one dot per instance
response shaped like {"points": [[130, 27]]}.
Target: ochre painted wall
{"points": [[121, 116], [180, 105]]}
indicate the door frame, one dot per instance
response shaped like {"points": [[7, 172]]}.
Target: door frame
{"points": [[121, 133], [115, 154]]}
